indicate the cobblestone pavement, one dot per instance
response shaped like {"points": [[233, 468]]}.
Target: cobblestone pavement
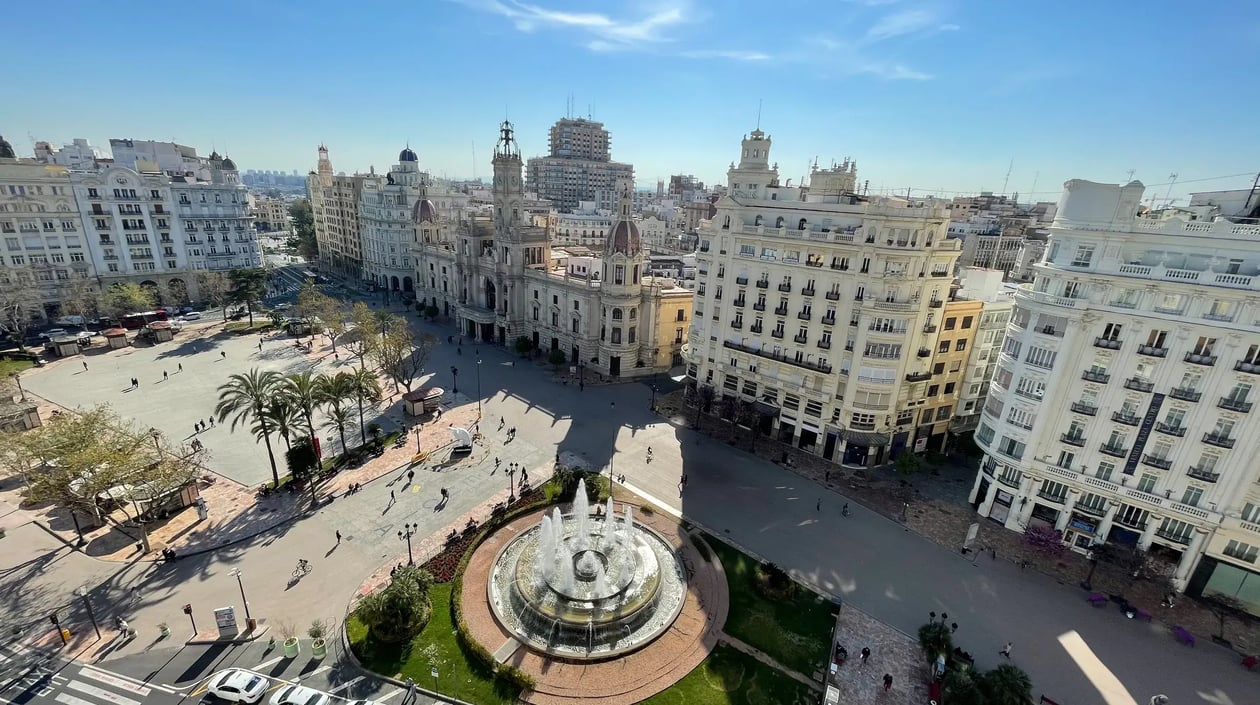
{"points": [[891, 652]]}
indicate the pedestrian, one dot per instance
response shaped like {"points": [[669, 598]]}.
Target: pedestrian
{"points": [[887, 681], [496, 463], [524, 475], [844, 511], [165, 375], [338, 532], [1006, 650], [260, 346], [211, 422], [223, 353], [501, 420], [866, 653], [85, 366], [818, 505], [181, 367], [411, 474], [826, 476], [196, 428]]}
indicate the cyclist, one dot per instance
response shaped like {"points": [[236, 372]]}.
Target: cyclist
{"points": [[304, 565]]}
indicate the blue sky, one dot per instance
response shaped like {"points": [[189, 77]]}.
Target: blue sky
{"points": [[927, 95]]}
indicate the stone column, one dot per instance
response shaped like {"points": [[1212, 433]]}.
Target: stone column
{"points": [[1104, 526], [1026, 502], [1148, 533], [975, 486], [1066, 513], [1189, 558], [987, 505]]}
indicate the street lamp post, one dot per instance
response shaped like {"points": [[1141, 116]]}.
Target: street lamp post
{"points": [[17, 378], [83, 592], [478, 389], [418, 429], [236, 572], [612, 479], [408, 531], [511, 482], [454, 380], [157, 435], [581, 375], [652, 406]]}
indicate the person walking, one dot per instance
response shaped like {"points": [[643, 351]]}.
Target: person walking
{"points": [[165, 375], [844, 511], [391, 496], [223, 353], [818, 505], [181, 367], [411, 475], [866, 653], [1006, 650], [887, 682], [338, 532], [211, 422], [85, 366]]}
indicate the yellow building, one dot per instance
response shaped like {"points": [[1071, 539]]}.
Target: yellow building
{"points": [[959, 322]]}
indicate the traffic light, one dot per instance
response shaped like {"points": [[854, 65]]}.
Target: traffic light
{"points": [[53, 618]]}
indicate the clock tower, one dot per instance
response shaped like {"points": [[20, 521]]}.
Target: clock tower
{"points": [[508, 190]]}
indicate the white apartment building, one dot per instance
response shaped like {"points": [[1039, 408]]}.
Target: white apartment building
{"points": [[986, 286], [214, 216], [79, 155], [1121, 410], [585, 227], [386, 205], [820, 306], [166, 157], [579, 166], [41, 229]]}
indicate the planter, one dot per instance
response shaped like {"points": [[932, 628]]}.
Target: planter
{"points": [[291, 647], [164, 630], [318, 648]]}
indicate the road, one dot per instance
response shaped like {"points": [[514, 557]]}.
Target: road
{"points": [[866, 559]]}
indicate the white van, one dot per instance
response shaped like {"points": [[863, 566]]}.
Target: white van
{"points": [[69, 321]]}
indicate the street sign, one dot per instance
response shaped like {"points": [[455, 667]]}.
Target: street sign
{"points": [[225, 620], [433, 672]]}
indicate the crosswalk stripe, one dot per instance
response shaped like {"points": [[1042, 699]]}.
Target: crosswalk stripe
{"points": [[387, 696], [111, 679], [101, 693], [321, 669], [265, 664], [69, 699], [345, 685]]}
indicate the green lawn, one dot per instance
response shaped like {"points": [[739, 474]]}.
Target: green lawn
{"points": [[730, 677], [242, 326], [8, 367], [794, 632], [476, 684]]}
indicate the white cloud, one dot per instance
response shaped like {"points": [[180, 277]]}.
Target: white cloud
{"points": [[734, 55], [605, 30], [892, 72]]}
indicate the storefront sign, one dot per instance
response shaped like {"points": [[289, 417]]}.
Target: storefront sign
{"points": [[1144, 433], [1082, 525], [225, 619]]}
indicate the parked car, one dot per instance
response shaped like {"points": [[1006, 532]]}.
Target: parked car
{"points": [[187, 309], [191, 316], [299, 695], [238, 686], [283, 307], [53, 333], [69, 321]]}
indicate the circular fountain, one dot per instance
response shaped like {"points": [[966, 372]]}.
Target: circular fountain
{"points": [[587, 587]]}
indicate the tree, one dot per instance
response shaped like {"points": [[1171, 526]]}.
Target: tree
{"points": [[557, 357], [908, 463], [304, 225], [363, 333], [1223, 607], [1006, 685], [746, 414], [284, 416], [244, 398], [20, 303], [728, 407], [303, 462], [80, 297], [400, 356], [335, 394], [305, 391], [247, 286], [6, 149], [704, 401], [523, 345], [400, 610], [1044, 540], [935, 639], [213, 288], [123, 298], [174, 292], [366, 389], [960, 687]]}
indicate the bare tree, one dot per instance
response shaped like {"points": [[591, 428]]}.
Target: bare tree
{"points": [[364, 333], [80, 297], [20, 302], [399, 355], [214, 288]]}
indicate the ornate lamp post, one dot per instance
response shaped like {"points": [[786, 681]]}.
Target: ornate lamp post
{"points": [[236, 572], [83, 592], [408, 531], [454, 380], [478, 389]]}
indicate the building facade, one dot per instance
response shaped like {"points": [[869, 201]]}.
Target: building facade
{"points": [[271, 214], [997, 299], [579, 166], [335, 210], [497, 277], [45, 244], [1121, 409], [385, 221], [820, 307]]}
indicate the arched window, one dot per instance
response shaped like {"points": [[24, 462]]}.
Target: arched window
{"points": [[726, 223], [801, 225], [616, 314], [757, 221], [778, 223], [634, 313]]}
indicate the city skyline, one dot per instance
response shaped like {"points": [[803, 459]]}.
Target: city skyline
{"points": [[908, 89]]}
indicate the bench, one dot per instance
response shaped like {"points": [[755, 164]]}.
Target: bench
{"points": [[1183, 635], [1097, 599], [1143, 614]]}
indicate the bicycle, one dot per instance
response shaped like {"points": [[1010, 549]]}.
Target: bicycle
{"points": [[303, 567]]}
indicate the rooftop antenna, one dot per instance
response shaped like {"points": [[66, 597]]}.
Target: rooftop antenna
{"points": [[1032, 193], [1130, 174], [758, 114], [1172, 179], [474, 155], [1008, 175]]}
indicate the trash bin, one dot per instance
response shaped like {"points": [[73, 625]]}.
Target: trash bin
{"points": [[65, 634]]}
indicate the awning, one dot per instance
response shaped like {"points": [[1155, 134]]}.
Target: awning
{"points": [[765, 408], [865, 438]]}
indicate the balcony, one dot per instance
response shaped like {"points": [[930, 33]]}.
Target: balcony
{"points": [[786, 287], [737, 324], [704, 248], [1107, 343], [935, 303], [759, 306], [780, 310], [929, 328], [835, 296], [741, 280], [106, 241], [839, 267], [801, 338], [739, 303], [807, 291], [1200, 359], [763, 283], [1115, 451], [779, 357], [1138, 384], [1218, 440], [1156, 461], [1234, 404], [1152, 351], [1171, 430], [776, 333], [924, 352], [1095, 376], [805, 315], [1185, 394], [1125, 418], [824, 344], [1175, 538], [1081, 407], [1092, 511], [1073, 440], [755, 328], [1199, 473], [829, 320]]}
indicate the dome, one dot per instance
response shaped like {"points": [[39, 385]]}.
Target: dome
{"points": [[424, 211], [228, 164], [624, 238], [214, 156], [407, 155]]}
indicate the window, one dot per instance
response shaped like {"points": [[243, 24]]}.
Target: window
{"points": [[943, 347], [938, 368], [1056, 490], [942, 413], [951, 322], [1147, 483], [949, 387], [1105, 470], [933, 390], [1251, 512], [960, 344], [1066, 459], [1011, 447], [1241, 551], [1039, 357], [1084, 255], [984, 434], [1192, 496], [863, 422], [1204, 346], [678, 332]]}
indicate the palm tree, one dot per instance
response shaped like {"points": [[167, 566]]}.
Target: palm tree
{"points": [[366, 389], [244, 398], [335, 393], [285, 417], [339, 416], [303, 390], [1006, 685]]}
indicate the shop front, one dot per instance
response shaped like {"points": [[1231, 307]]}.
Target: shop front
{"points": [[1080, 532]]}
